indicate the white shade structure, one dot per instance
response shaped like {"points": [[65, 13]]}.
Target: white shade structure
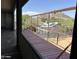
{"points": [[45, 25]]}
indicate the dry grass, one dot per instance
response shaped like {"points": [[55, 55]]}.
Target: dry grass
{"points": [[63, 42]]}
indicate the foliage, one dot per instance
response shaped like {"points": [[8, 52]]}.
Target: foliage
{"points": [[44, 19], [26, 21], [64, 21]]}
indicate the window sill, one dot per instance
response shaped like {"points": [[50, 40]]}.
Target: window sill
{"points": [[43, 48]]}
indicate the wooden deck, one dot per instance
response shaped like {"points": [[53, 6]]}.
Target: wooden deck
{"points": [[43, 48]]}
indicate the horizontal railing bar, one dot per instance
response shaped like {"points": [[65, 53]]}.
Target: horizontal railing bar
{"points": [[61, 10]]}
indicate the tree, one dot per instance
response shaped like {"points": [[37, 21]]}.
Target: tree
{"points": [[44, 19]]}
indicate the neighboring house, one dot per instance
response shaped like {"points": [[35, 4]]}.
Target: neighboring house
{"points": [[48, 25]]}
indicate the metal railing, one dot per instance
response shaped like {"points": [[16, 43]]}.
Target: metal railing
{"points": [[41, 24]]}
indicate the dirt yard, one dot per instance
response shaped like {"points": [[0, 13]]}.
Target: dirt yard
{"points": [[62, 42]]}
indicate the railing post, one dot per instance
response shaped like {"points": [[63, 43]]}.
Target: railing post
{"points": [[48, 26], [57, 38], [37, 24], [31, 20], [37, 21]]}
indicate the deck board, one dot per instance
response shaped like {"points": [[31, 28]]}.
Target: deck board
{"points": [[43, 47]]}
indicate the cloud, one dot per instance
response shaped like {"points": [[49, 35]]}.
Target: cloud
{"points": [[29, 13]]}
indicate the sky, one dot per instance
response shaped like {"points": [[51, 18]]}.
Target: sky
{"points": [[39, 6]]}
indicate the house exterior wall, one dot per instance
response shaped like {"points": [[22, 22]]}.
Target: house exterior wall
{"points": [[7, 20]]}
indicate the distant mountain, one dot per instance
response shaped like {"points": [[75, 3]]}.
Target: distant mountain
{"points": [[29, 13], [65, 22], [63, 19], [61, 15]]}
